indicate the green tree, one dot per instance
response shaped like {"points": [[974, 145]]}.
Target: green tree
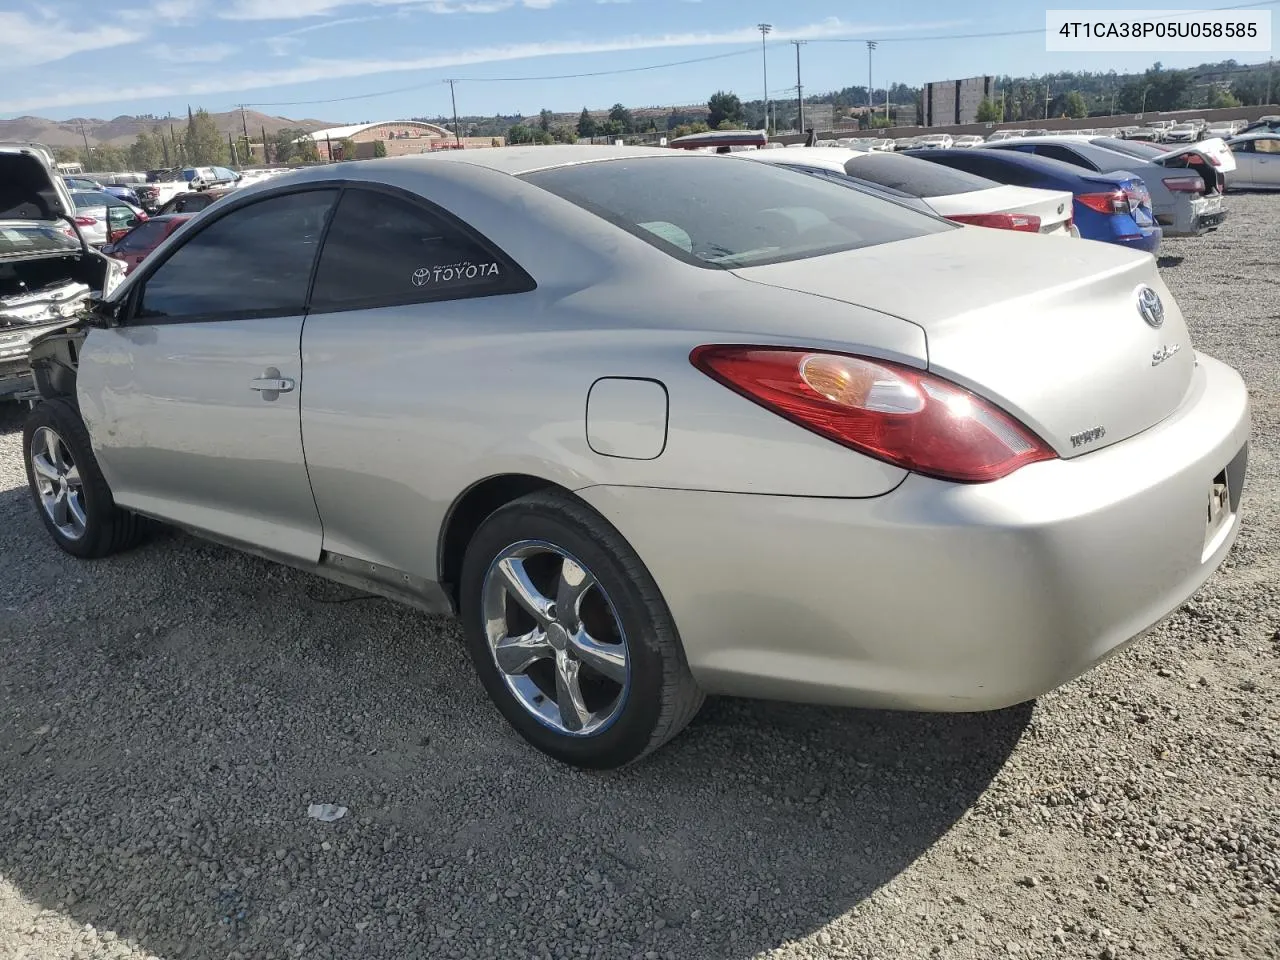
{"points": [[106, 158], [563, 134], [1074, 106], [988, 111], [545, 117], [347, 148], [379, 148], [621, 116], [205, 143], [724, 106], [519, 134], [586, 124], [291, 144], [1221, 99], [146, 152], [686, 129]]}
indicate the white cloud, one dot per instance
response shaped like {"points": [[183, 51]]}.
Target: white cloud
{"points": [[312, 70], [209, 53], [167, 11], [297, 9], [28, 41]]}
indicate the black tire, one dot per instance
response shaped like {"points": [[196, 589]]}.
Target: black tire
{"points": [[663, 696], [107, 528]]}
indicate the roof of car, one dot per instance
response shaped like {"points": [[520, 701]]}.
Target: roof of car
{"points": [[166, 217], [518, 160], [1254, 135]]}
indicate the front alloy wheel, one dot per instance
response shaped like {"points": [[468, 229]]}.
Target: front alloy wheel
{"points": [[70, 493], [57, 483]]}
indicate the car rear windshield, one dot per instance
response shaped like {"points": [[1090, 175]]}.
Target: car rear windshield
{"points": [[726, 212], [84, 199], [916, 177], [1134, 148]]}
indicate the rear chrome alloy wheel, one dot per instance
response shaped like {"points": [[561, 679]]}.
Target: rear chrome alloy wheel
{"points": [[556, 638], [58, 483]]}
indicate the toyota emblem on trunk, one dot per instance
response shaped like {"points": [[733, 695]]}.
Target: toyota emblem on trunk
{"points": [[1150, 306]]}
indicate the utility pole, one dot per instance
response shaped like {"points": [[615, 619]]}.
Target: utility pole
{"points": [[452, 96], [1270, 73], [265, 159], [799, 86], [871, 107], [88, 157], [765, 29], [1047, 98], [1113, 103]]}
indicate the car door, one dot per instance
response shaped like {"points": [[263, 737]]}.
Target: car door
{"points": [[402, 291], [192, 400], [1243, 176], [1266, 162]]}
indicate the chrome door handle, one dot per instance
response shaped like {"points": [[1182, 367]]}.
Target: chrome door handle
{"points": [[271, 385]]}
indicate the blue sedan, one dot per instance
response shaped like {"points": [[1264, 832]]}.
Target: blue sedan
{"points": [[1111, 207]]}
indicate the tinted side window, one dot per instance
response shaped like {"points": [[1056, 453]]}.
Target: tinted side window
{"points": [[147, 235], [255, 261], [384, 249]]}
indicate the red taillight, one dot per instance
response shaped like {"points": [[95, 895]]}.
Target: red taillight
{"points": [[1186, 184], [1114, 203], [85, 221], [1025, 222], [894, 413]]}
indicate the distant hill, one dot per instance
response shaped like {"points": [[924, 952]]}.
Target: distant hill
{"points": [[122, 131]]}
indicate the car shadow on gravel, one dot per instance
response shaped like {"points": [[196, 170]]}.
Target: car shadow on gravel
{"points": [[166, 721]]}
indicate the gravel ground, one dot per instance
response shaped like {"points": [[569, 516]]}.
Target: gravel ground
{"points": [[167, 716]]}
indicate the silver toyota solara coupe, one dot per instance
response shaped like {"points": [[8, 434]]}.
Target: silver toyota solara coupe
{"points": [[658, 424]]}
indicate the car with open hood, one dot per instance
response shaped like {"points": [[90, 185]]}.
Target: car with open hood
{"points": [[48, 271]]}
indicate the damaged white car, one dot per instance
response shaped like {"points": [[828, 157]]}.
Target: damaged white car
{"points": [[48, 273]]}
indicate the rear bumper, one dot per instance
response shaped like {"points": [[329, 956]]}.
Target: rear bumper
{"points": [[1148, 241], [1197, 217], [941, 596]]}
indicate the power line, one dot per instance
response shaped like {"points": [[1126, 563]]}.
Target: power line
{"points": [[707, 59], [564, 76]]}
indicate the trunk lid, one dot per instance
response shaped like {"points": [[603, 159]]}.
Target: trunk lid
{"points": [[1052, 332], [1053, 207], [29, 187], [1213, 151]]}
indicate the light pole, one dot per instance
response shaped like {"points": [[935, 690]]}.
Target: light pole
{"points": [[871, 102], [765, 30], [1143, 108]]}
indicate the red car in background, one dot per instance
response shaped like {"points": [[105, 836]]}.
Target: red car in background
{"points": [[137, 244]]}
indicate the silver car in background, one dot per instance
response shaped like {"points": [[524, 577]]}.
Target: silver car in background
{"points": [[1186, 183], [659, 424]]}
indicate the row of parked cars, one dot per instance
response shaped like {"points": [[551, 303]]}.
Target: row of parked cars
{"points": [[666, 424], [1106, 188]]}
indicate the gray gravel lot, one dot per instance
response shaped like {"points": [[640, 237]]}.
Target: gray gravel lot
{"points": [[167, 716]]}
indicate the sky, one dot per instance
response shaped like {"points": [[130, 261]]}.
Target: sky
{"points": [[388, 59]]}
